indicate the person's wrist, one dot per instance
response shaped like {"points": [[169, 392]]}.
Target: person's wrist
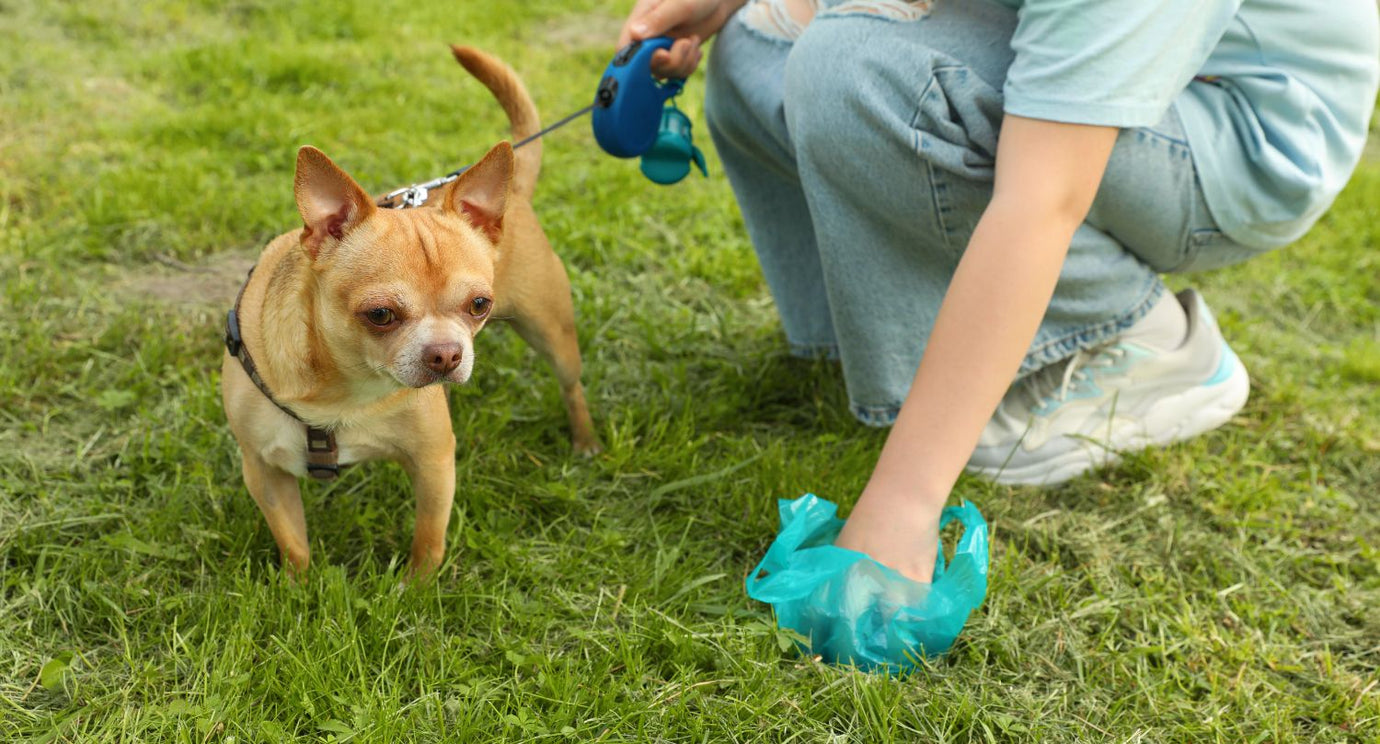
{"points": [[901, 489], [894, 529]]}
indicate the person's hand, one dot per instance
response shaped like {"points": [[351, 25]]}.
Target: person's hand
{"points": [[689, 22], [895, 530]]}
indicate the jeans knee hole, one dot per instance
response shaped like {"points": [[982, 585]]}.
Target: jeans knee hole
{"points": [[772, 19], [896, 10]]}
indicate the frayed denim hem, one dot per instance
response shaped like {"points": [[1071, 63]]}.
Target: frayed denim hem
{"points": [[769, 20], [815, 351], [1062, 348], [875, 416], [889, 10]]}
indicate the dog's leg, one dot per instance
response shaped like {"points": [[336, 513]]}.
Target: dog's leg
{"points": [[533, 293], [549, 327], [433, 480], [279, 498]]}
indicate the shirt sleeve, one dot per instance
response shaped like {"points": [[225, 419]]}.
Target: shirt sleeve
{"points": [[1109, 62]]}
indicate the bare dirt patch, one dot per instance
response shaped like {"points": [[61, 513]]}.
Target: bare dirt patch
{"points": [[214, 282]]}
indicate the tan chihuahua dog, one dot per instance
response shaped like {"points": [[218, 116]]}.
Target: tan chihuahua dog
{"points": [[344, 329]]}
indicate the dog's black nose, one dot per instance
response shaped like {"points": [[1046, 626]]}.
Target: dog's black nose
{"points": [[442, 358]]}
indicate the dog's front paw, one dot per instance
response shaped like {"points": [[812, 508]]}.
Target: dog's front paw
{"points": [[588, 446]]}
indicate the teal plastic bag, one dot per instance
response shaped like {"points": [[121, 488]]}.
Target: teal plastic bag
{"points": [[853, 609], [673, 151]]}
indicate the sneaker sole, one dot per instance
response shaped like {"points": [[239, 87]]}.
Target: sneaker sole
{"points": [[1172, 419]]}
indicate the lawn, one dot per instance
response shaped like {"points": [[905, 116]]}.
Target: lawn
{"points": [[1226, 589]]}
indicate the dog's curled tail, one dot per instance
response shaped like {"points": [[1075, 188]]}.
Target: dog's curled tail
{"points": [[507, 87]]}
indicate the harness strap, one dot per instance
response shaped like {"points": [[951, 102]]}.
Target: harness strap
{"points": [[323, 457]]}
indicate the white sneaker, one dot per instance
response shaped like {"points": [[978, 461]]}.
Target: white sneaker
{"points": [[1080, 413]]}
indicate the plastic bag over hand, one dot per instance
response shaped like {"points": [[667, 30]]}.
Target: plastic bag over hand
{"points": [[853, 609]]}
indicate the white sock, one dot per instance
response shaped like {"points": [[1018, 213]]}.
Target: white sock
{"points": [[1165, 327]]}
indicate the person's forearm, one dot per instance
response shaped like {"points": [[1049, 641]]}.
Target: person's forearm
{"points": [[1047, 176], [989, 316]]}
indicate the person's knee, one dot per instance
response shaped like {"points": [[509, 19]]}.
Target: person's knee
{"points": [[740, 89], [847, 90], [723, 95], [843, 96], [817, 94]]}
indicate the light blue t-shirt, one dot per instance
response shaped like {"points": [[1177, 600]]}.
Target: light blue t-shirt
{"points": [[1275, 95]]}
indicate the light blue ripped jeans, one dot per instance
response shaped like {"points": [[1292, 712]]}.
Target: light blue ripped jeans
{"points": [[861, 154]]}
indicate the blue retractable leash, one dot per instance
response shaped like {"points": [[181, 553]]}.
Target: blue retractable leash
{"points": [[634, 114]]}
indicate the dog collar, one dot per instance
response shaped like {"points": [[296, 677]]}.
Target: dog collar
{"points": [[322, 455]]}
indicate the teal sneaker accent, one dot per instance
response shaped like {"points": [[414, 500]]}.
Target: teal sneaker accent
{"points": [[1224, 368]]}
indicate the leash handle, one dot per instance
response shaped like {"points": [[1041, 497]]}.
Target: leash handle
{"points": [[628, 103]]}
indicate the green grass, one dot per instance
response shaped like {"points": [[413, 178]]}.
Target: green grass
{"points": [[1227, 589]]}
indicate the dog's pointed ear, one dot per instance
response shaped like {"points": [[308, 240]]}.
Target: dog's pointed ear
{"points": [[481, 192], [330, 202]]}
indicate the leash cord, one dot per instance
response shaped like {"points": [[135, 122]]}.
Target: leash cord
{"points": [[542, 133], [416, 194]]}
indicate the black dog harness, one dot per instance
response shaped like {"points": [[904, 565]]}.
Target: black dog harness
{"points": [[322, 454]]}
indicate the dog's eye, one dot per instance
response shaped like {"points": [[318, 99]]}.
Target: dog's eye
{"points": [[479, 306], [380, 316]]}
